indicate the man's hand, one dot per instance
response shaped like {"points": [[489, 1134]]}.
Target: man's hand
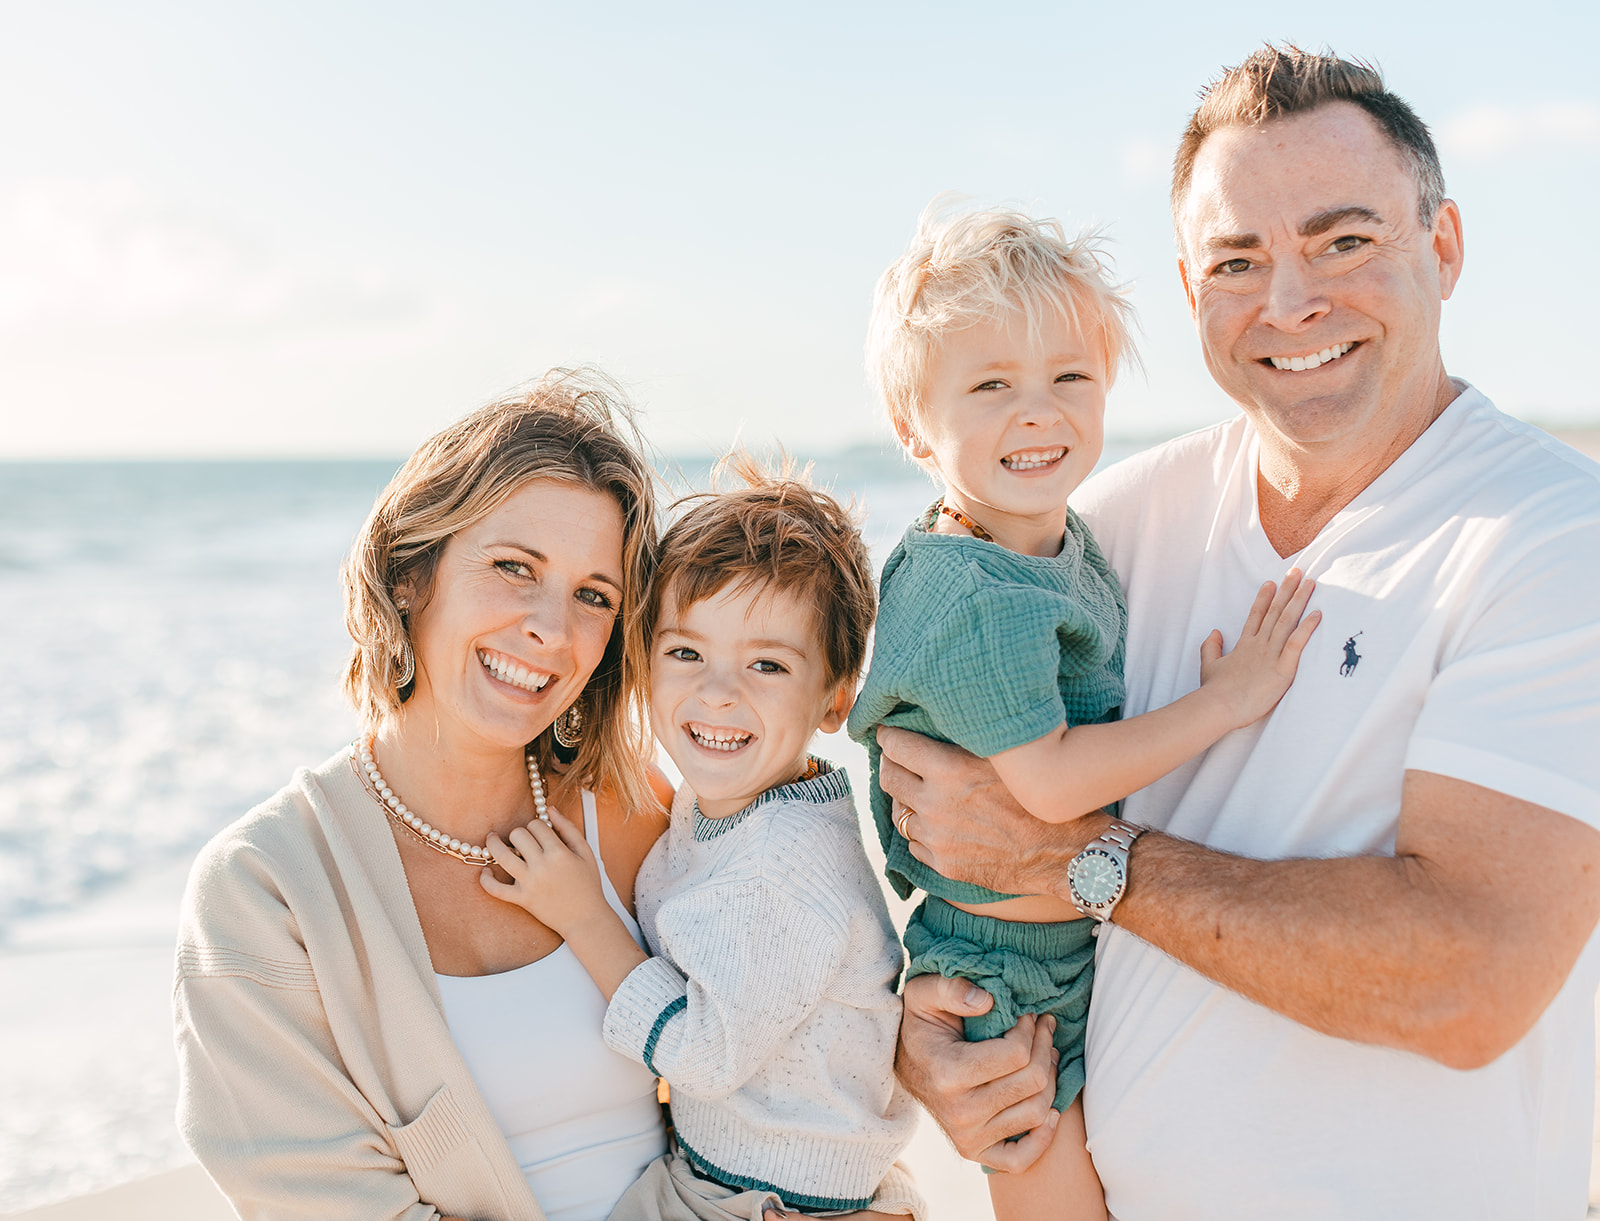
{"points": [[981, 1094], [968, 826]]}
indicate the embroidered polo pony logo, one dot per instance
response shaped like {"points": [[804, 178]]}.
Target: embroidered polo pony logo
{"points": [[1352, 659]]}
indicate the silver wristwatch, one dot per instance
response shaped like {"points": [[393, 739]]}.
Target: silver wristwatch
{"points": [[1098, 876]]}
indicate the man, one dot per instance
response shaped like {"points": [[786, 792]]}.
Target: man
{"points": [[1349, 968]]}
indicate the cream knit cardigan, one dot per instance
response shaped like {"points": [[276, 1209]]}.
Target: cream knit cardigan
{"points": [[318, 1077]]}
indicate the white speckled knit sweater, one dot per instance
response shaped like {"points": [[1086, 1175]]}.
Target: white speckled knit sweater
{"points": [[770, 1007]]}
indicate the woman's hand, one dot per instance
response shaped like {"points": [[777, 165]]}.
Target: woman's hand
{"points": [[554, 876]]}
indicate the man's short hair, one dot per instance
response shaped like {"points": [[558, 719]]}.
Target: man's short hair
{"points": [[980, 265], [1276, 82], [776, 534]]}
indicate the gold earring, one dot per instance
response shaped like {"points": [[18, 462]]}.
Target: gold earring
{"points": [[408, 666], [568, 726]]}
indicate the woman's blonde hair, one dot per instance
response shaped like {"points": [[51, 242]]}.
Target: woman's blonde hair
{"points": [[971, 265], [574, 426]]}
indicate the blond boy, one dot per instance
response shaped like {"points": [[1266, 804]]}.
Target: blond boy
{"points": [[993, 342]]}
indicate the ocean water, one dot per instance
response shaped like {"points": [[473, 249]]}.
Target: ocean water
{"points": [[171, 640]]}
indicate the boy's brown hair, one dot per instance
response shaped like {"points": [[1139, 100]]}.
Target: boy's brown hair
{"points": [[779, 533]]}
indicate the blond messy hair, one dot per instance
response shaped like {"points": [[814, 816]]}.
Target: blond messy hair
{"points": [[572, 426], [777, 534], [977, 265]]}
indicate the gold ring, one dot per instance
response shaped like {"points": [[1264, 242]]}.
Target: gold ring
{"points": [[900, 823]]}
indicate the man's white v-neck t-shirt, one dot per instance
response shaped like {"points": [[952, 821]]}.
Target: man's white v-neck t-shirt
{"points": [[1460, 595]]}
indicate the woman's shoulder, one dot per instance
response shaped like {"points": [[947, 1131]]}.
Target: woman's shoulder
{"points": [[627, 835], [661, 788], [286, 823], [260, 860]]}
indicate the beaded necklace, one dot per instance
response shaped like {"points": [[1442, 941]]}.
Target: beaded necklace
{"points": [[418, 828], [960, 518]]}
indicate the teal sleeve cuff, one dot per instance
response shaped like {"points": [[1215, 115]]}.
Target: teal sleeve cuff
{"points": [[652, 995]]}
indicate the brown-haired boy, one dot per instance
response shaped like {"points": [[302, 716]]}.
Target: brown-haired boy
{"points": [[769, 1004]]}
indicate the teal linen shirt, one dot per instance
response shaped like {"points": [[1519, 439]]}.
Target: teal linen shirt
{"points": [[988, 649]]}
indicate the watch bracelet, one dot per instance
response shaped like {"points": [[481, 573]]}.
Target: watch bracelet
{"points": [[1121, 836]]}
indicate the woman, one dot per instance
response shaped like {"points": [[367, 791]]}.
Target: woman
{"points": [[362, 1030]]}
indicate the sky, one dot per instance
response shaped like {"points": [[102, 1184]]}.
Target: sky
{"points": [[306, 229]]}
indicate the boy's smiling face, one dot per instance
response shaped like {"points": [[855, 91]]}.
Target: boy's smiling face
{"points": [[1013, 425], [738, 686]]}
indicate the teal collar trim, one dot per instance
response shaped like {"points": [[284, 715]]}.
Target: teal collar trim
{"points": [[831, 784]]}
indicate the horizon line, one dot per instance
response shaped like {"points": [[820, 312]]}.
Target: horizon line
{"points": [[1589, 430]]}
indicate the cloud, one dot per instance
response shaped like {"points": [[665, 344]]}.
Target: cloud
{"points": [[91, 254], [1487, 132], [101, 251]]}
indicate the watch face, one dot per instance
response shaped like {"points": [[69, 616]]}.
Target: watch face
{"points": [[1096, 878]]}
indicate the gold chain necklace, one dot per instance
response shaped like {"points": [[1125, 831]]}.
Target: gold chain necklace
{"points": [[471, 854]]}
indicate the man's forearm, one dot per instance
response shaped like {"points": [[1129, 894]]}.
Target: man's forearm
{"points": [[1347, 946], [1419, 951], [1361, 948], [1451, 948]]}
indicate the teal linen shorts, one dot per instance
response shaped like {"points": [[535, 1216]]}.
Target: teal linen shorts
{"points": [[1027, 968]]}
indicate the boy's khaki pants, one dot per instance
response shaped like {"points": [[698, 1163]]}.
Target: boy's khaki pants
{"points": [[670, 1190]]}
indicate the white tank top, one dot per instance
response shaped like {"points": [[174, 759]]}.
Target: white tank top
{"points": [[582, 1121]]}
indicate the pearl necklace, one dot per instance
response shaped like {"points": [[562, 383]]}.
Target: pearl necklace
{"points": [[471, 854]]}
